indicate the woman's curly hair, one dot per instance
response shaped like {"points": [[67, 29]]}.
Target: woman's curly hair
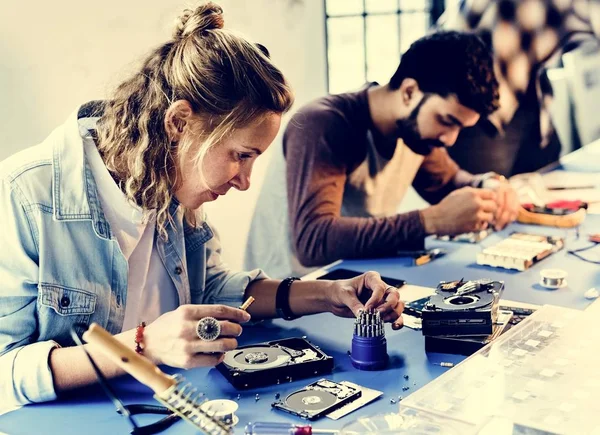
{"points": [[228, 81]]}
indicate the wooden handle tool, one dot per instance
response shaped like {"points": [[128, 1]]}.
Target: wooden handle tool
{"points": [[136, 365]]}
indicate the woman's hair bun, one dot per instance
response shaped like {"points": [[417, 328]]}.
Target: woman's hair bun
{"points": [[208, 16]]}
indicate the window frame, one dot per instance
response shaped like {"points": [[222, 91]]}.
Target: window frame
{"points": [[435, 9]]}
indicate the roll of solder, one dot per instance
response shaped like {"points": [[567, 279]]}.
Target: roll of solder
{"points": [[553, 278]]}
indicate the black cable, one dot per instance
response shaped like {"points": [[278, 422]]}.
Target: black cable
{"points": [[121, 409], [575, 253], [130, 410]]}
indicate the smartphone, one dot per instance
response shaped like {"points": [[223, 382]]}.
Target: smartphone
{"points": [[347, 273]]}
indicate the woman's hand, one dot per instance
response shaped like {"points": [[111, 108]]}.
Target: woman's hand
{"points": [[366, 291], [172, 339]]}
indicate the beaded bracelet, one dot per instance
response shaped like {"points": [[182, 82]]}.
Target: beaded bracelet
{"points": [[139, 337]]}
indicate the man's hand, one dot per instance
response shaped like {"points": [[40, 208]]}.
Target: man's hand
{"points": [[508, 204], [462, 211], [366, 291]]}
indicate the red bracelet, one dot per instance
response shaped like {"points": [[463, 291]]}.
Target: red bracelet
{"points": [[139, 337]]}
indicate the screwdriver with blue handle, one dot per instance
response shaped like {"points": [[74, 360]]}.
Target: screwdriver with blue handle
{"points": [[271, 428], [423, 256]]}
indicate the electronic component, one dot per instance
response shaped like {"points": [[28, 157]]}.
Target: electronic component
{"points": [[562, 214], [274, 362], [519, 314], [369, 346], [472, 237], [519, 251], [367, 395], [414, 308], [467, 344], [462, 308], [317, 399]]}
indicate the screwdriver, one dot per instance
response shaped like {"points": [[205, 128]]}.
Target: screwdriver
{"points": [[271, 428]]}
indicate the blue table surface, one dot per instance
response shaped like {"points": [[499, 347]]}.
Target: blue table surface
{"points": [[89, 411]]}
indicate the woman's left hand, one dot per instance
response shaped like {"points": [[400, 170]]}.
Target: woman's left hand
{"points": [[367, 291]]}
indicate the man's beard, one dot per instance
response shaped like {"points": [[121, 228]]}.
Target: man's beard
{"points": [[408, 130]]}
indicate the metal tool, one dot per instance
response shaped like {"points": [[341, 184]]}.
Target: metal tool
{"points": [[247, 304], [422, 256], [172, 391], [271, 428]]}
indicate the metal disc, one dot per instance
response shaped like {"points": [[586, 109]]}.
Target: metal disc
{"points": [[256, 358], [310, 400], [469, 301]]}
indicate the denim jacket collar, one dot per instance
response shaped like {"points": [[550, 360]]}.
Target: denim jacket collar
{"points": [[70, 201]]}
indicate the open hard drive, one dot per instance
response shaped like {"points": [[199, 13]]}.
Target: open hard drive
{"points": [[468, 344], [317, 399], [274, 362], [462, 308]]}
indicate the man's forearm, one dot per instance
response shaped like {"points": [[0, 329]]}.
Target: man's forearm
{"points": [[324, 240]]}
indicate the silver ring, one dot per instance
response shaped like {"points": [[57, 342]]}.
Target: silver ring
{"points": [[208, 329]]}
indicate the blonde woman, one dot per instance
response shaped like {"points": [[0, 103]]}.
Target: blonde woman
{"points": [[102, 222]]}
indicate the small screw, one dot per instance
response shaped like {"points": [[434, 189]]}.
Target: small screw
{"points": [[257, 398], [405, 388], [405, 376], [392, 401], [239, 396], [277, 396], [399, 398]]}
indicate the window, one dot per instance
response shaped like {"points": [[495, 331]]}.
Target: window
{"points": [[365, 37]]}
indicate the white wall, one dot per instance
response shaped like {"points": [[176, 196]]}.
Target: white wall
{"points": [[56, 55]]}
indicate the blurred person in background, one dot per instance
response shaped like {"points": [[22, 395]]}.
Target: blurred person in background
{"points": [[526, 36]]}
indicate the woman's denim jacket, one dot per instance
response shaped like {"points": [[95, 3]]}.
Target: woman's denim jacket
{"points": [[60, 265]]}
